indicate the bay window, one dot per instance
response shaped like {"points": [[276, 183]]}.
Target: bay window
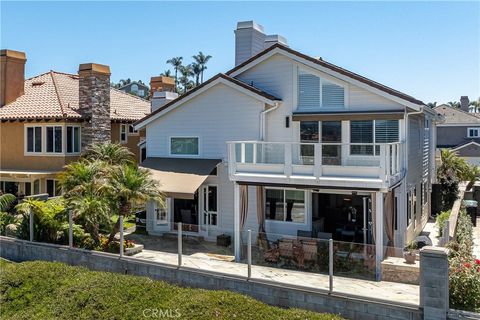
{"points": [[287, 205]]}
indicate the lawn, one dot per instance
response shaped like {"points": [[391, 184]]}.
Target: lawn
{"points": [[48, 290]]}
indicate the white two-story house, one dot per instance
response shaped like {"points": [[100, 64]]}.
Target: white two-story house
{"points": [[288, 144]]}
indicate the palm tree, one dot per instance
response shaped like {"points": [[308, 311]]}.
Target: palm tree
{"points": [[432, 104], [166, 73], [472, 175], [176, 62], [111, 153], [476, 105], [6, 201], [197, 70], [131, 186], [185, 81], [454, 104], [202, 60]]}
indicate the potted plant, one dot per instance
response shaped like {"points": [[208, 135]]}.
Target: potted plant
{"points": [[410, 252]]}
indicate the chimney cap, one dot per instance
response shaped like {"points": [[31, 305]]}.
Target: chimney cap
{"points": [[13, 54], [95, 67], [249, 25], [276, 38], [162, 79]]}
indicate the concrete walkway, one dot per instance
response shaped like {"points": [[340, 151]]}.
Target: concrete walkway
{"points": [[380, 291]]}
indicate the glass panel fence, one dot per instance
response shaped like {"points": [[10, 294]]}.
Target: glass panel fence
{"points": [[354, 260]]}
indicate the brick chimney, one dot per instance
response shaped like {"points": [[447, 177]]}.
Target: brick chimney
{"points": [[94, 102], [12, 80], [464, 101], [161, 83]]}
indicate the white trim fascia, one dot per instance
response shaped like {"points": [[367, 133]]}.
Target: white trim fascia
{"points": [[466, 144], [329, 72], [458, 125], [200, 91]]}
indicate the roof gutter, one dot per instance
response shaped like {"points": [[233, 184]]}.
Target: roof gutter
{"points": [[263, 120]]}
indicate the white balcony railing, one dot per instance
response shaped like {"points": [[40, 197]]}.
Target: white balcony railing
{"points": [[380, 161]]}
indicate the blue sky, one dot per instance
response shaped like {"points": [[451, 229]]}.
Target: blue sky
{"points": [[430, 50]]}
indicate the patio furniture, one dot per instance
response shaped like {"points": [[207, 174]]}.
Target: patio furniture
{"points": [[286, 248], [304, 234], [324, 235], [310, 249], [224, 240]]}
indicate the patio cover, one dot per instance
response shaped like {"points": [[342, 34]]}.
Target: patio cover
{"points": [[180, 177]]}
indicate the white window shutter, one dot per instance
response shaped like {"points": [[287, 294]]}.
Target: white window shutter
{"points": [[308, 91], [386, 131], [333, 96]]}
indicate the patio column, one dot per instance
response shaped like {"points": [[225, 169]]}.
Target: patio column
{"points": [[236, 221], [378, 234]]}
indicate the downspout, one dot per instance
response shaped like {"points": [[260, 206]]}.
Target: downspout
{"points": [[263, 120]]}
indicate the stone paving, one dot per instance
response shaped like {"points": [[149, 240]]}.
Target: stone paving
{"points": [[383, 290]]}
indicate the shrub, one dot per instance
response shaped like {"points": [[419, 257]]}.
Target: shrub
{"points": [[6, 218], [441, 220]]}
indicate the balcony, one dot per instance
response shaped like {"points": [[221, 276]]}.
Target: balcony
{"points": [[355, 165]]}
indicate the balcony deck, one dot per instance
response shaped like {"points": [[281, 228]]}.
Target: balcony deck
{"points": [[345, 165]]}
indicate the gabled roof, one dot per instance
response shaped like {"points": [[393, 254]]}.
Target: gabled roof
{"points": [[133, 82], [320, 62], [454, 116], [461, 146], [55, 95], [219, 78]]}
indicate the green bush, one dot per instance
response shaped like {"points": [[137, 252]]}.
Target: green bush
{"points": [[464, 268], [6, 218], [441, 220]]}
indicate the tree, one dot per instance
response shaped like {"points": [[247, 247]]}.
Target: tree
{"points": [[449, 173], [185, 81], [166, 73], [131, 185], [197, 70], [176, 62], [202, 60], [454, 104], [472, 175], [111, 153], [6, 201], [432, 104], [476, 105]]}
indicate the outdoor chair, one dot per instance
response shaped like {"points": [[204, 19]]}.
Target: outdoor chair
{"points": [[286, 248]]}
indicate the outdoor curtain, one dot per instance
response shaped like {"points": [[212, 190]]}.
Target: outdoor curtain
{"points": [[243, 205], [388, 222], [262, 236]]}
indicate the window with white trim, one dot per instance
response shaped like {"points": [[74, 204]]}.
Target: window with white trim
{"points": [[371, 132], [34, 139], [184, 146], [53, 138], [73, 139], [287, 205], [131, 130], [123, 133], [315, 93], [473, 132]]}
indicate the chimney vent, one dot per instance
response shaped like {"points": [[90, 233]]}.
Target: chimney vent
{"points": [[272, 39], [464, 101], [161, 98], [94, 102], [12, 71]]}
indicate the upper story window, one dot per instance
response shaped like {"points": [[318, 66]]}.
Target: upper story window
{"points": [[473, 132], [73, 139], [365, 133], [315, 93], [54, 139], [131, 130], [184, 146], [123, 133], [34, 139], [134, 88]]}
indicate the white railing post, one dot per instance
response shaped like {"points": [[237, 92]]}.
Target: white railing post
{"points": [[330, 265], [383, 166], [394, 158], [249, 253], [180, 249], [121, 235], [242, 152], [288, 159], [317, 162], [70, 229], [254, 152], [31, 224]]}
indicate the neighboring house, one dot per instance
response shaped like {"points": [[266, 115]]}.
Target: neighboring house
{"points": [[136, 88], [460, 132], [47, 120], [291, 145]]}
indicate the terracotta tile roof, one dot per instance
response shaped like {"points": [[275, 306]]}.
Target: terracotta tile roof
{"points": [[55, 95], [332, 67], [456, 115]]}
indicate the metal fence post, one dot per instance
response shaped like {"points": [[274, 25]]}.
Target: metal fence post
{"points": [[179, 244], [330, 265], [70, 229], [121, 235], [31, 225], [446, 232], [249, 253]]}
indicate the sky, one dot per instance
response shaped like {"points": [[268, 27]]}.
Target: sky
{"points": [[430, 50]]}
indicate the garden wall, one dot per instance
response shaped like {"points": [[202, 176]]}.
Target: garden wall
{"points": [[268, 292]]}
